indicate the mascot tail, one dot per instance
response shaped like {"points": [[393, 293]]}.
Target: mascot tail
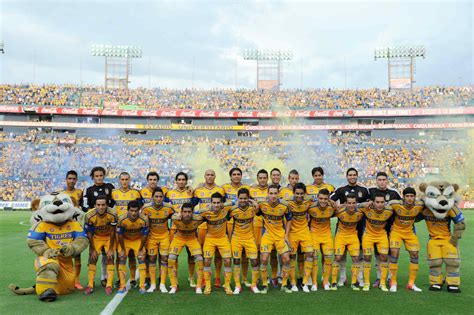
{"points": [[22, 291]]}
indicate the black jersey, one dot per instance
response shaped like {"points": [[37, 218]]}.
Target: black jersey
{"points": [[390, 194], [341, 193], [94, 191]]}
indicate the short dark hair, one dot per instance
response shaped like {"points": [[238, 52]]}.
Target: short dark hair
{"points": [[152, 174], [351, 196], [318, 169], [71, 172], [324, 191], [233, 170], [299, 186], [124, 174], [273, 186], [187, 205], [293, 172], [217, 195], [381, 174], [101, 197], [275, 169], [409, 190], [243, 191], [352, 169], [262, 171], [181, 173], [379, 194], [157, 189], [97, 169], [133, 204]]}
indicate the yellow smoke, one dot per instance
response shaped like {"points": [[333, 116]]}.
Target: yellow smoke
{"points": [[199, 159]]}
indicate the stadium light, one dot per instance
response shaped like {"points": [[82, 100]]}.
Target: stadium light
{"points": [[2, 49], [400, 52], [267, 54], [116, 51]]}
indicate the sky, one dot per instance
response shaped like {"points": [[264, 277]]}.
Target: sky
{"points": [[198, 44]]}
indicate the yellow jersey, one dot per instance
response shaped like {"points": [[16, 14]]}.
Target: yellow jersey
{"points": [[313, 189], [216, 222], [157, 218], [286, 193], [440, 228], [243, 221], [347, 221], [375, 221], [404, 216], [56, 236], [259, 194], [178, 197], [320, 218], [299, 215], [76, 194], [274, 218], [231, 191], [147, 192], [100, 226], [132, 230], [187, 230], [122, 198], [202, 195]]}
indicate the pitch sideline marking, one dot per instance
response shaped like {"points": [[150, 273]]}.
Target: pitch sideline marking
{"points": [[23, 223], [114, 303]]}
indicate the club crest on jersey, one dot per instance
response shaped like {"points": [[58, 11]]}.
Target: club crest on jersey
{"points": [[106, 191], [202, 194], [359, 194], [387, 197], [96, 193]]}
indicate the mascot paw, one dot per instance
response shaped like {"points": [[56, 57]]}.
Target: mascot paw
{"points": [[21, 291], [454, 241], [67, 250], [51, 253], [436, 287], [48, 296], [454, 289]]}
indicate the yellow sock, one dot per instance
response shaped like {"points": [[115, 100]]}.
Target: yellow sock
{"points": [[394, 272], [293, 272], [326, 269], [255, 274], [236, 271], [43, 284], [122, 272], [152, 271], [335, 271], [171, 272], [142, 273], [264, 274], [307, 266], [285, 271], [367, 266], [383, 272], [91, 275], [132, 263], [228, 276], [207, 276], [412, 272], [314, 270], [163, 272], [199, 272], [354, 272], [110, 275]]}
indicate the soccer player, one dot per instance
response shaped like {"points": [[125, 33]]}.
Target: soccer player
{"points": [[186, 224], [76, 196], [123, 195], [216, 238], [99, 188], [376, 217], [202, 198], [390, 194], [275, 236], [346, 238], [299, 236], [132, 232], [286, 193], [318, 183], [275, 177], [320, 214], [152, 179], [178, 197], [340, 195], [100, 224], [158, 214], [242, 238]]}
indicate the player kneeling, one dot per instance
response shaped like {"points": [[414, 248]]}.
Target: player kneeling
{"points": [[186, 224], [132, 235]]}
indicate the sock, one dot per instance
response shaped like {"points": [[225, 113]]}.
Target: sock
{"points": [[293, 272], [335, 271], [142, 274], [412, 271], [285, 271], [378, 267], [43, 284], [237, 275], [367, 266], [307, 266], [132, 264], [163, 272], [264, 274], [77, 268], [227, 276], [91, 275], [394, 269], [171, 272], [103, 269], [342, 267], [218, 265], [255, 274], [314, 271], [383, 272], [326, 269], [152, 271], [245, 268], [122, 272], [199, 272], [354, 272], [110, 275], [207, 276], [274, 265]]}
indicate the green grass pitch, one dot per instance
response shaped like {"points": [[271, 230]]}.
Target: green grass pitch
{"points": [[17, 267]]}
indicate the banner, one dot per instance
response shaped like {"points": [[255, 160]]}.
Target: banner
{"points": [[337, 113], [466, 204], [400, 83], [15, 205], [267, 85]]}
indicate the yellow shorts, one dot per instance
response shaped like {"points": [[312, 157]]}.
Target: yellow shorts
{"points": [[269, 242], [132, 245], [192, 244], [412, 244], [201, 234], [158, 245], [66, 276], [369, 241], [230, 226], [441, 248], [351, 242], [257, 233], [221, 244], [248, 244], [324, 243], [302, 239], [102, 244]]}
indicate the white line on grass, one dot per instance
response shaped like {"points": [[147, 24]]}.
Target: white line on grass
{"points": [[23, 223], [114, 303]]}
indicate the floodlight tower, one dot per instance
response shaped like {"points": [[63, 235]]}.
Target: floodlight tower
{"points": [[401, 64], [118, 63], [269, 64]]}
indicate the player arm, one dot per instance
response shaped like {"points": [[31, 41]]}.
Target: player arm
{"points": [[120, 237], [90, 198], [144, 238], [288, 221]]}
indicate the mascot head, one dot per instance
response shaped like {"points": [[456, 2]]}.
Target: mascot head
{"points": [[55, 208], [439, 197]]}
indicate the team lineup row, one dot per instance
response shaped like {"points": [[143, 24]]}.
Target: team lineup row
{"points": [[294, 221]]}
